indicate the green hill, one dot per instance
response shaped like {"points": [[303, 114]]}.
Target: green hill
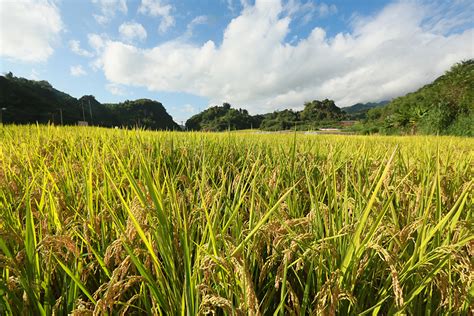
{"points": [[445, 106], [144, 113], [315, 114], [29, 101], [359, 111], [221, 118]]}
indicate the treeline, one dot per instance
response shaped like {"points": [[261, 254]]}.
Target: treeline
{"points": [[315, 114], [29, 101], [221, 118]]}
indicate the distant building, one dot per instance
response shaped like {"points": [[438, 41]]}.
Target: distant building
{"points": [[82, 123]]}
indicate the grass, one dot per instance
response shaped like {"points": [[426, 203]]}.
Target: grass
{"points": [[97, 221]]}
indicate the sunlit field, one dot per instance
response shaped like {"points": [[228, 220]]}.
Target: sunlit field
{"points": [[117, 222]]}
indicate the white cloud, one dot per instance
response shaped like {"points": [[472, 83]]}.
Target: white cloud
{"points": [[325, 9], [188, 108], [130, 31], [230, 5], [115, 89], [201, 19], [306, 11], [29, 29], [385, 55], [157, 8], [181, 113], [77, 71], [96, 41], [34, 75], [447, 17], [108, 9], [75, 47]]}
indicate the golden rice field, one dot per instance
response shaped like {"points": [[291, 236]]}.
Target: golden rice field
{"points": [[112, 222]]}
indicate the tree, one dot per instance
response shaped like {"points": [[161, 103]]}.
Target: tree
{"points": [[220, 118]]}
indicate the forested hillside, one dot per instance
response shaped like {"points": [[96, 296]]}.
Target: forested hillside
{"points": [[315, 114], [220, 118], [445, 106], [442, 107], [29, 101], [359, 111]]}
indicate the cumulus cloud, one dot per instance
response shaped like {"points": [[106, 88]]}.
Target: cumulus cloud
{"points": [[96, 41], [108, 9], [383, 56], [201, 19], [115, 89], [131, 31], [75, 47], [157, 8], [29, 29], [309, 10], [77, 71]]}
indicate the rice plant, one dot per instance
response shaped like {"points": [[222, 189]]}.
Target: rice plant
{"points": [[114, 222]]}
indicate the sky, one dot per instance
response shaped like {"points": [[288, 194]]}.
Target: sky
{"points": [[261, 55]]}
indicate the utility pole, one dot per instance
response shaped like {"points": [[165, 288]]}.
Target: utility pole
{"points": [[83, 113], [1, 115], [61, 113], [90, 111]]}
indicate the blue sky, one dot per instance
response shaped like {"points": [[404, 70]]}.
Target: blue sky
{"points": [[259, 55]]}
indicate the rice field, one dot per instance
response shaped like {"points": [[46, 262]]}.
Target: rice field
{"points": [[112, 222]]}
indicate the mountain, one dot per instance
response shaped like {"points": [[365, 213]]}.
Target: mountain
{"points": [[359, 111], [31, 101], [445, 106], [221, 118], [141, 113], [314, 115]]}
